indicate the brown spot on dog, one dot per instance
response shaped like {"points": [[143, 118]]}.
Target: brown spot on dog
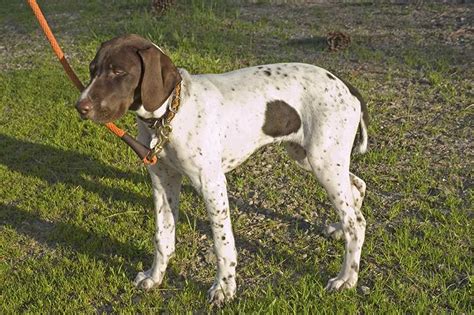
{"points": [[280, 119]]}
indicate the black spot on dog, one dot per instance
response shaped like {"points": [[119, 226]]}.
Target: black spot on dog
{"points": [[363, 104], [267, 73], [260, 67], [355, 267], [233, 89], [233, 264], [330, 76], [280, 119]]}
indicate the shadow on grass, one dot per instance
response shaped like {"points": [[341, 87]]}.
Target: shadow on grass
{"points": [[92, 244], [317, 43], [60, 166], [68, 167]]}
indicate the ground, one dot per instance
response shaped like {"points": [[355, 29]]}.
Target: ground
{"points": [[75, 207]]}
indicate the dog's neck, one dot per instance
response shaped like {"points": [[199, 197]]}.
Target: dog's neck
{"points": [[158, 113]]}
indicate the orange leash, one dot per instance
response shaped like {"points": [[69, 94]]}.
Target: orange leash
{"points": [[141, 150]]}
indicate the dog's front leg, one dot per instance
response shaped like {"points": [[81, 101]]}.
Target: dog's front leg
{"points": [[213, 187], [166, 187]]}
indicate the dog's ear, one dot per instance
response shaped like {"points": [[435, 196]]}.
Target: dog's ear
{"points": [[159, 78]]}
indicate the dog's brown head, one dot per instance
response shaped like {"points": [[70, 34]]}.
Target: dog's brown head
{"points": [[126, 72]]}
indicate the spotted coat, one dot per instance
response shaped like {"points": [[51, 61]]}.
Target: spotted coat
{"points": [[222, 120]]}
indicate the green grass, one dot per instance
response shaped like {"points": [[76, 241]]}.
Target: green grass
{"points": [[75, 204]]}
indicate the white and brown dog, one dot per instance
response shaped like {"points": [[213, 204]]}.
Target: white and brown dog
{"points": [[222, 120]]}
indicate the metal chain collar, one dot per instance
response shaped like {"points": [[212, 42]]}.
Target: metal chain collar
{"points": [[162, 126]]}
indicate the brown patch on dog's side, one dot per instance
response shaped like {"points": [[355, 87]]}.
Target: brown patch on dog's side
{"points": [[280, 119]]}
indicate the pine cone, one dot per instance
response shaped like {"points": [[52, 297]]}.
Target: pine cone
{"points": [[338, 40], [161, 6]]}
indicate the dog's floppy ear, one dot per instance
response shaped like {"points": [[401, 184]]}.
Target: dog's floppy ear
{"points": [[159, 77]]}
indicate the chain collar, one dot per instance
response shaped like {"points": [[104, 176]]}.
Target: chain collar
{"points": [[162, 125]]}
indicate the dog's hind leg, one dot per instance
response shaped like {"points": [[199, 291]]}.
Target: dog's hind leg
{"points": [[298, 154], [334, 230], [358, 190], [332, 171]]}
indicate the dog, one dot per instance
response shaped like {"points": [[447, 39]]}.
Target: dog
{"points": [[222, 120]]}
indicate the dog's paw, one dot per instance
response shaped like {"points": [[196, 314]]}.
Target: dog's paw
{"points": [[340, 283], [145, 281], [221, 292], [334, 230]]}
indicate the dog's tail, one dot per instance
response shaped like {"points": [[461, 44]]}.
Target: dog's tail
{"points": [[361, 141], [362, 138]]}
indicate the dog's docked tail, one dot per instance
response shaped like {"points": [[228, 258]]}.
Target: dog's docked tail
{"points": [[361, 141]]}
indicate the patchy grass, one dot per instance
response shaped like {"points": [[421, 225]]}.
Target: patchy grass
{"points": [[75, 219]]}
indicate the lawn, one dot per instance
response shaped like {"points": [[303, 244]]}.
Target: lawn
{"points": [[75, 204]]}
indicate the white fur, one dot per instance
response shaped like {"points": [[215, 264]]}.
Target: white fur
{"points": [[85, 92], [219, 125]]}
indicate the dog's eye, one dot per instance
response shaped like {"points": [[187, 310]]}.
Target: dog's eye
{"points": [[118, 72]]}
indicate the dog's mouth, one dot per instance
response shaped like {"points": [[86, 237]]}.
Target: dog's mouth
{"points": [[84, 116]]}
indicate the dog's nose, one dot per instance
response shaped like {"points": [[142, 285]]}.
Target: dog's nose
{"points": [[84, 106]]}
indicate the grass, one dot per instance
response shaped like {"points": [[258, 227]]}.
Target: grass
{"points": [[75, 206]]}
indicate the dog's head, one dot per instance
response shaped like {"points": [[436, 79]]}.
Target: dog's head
{"points": [[127, 71]]}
